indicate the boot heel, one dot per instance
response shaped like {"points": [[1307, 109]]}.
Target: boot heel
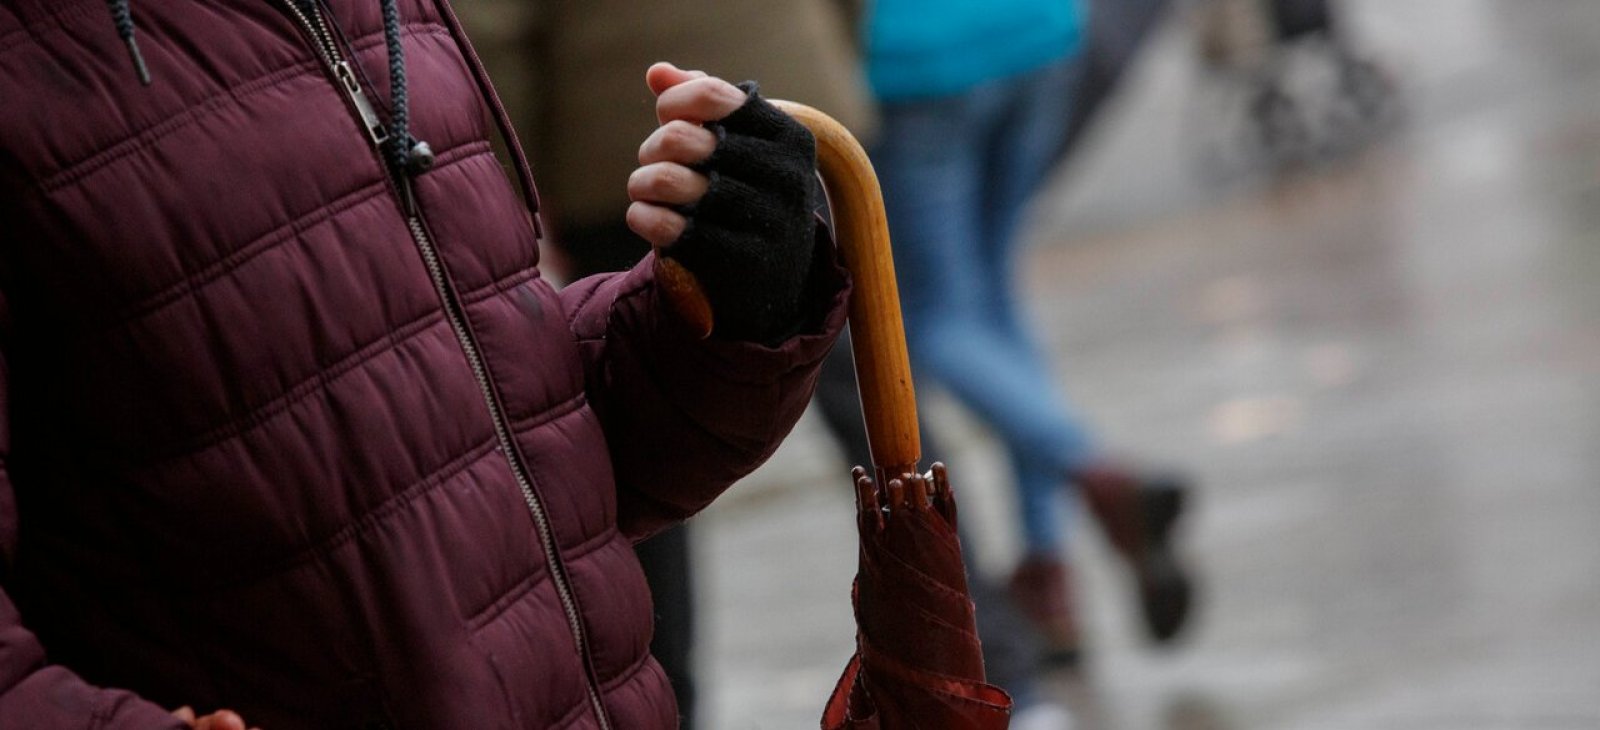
{"points": [[1166, 590], [1161, 506]]}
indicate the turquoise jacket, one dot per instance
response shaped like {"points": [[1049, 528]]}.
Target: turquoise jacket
{"points": [[929, 48]]}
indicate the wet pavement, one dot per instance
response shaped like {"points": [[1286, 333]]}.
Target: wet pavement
{"points": [[1384, 371]]}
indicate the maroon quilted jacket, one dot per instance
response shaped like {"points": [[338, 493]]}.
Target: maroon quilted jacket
{"points": [[268, 444]]}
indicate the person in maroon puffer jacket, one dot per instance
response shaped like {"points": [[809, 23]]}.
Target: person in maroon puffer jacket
{"points": [[291, 425]]}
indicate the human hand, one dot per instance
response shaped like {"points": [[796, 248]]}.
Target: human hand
{"points": [[219, 720], [668, 177], [725, 187]]}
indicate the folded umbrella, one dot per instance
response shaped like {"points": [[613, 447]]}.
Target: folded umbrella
{"points": [[917, 662]]}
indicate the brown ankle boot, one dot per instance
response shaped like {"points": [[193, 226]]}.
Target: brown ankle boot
{"points": [[1137, 516], [1041, 589]]}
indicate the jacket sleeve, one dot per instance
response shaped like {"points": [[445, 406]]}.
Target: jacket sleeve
{"points": [[685, 418], [35, 694]]}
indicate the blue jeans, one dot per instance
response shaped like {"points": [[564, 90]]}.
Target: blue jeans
{"points": [[957, 174]]}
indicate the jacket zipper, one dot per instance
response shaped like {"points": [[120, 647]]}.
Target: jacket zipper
{"points": [[541, 519], [312, 22]]}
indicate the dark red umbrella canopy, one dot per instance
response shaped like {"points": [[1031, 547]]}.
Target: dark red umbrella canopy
{"points": [[918, 663]]}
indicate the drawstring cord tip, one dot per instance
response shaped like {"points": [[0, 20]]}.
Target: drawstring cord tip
{"points": [[138, 61], [122, 16]]}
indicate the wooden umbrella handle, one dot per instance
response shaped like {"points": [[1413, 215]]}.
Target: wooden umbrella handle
{"points": [[861, 230]]}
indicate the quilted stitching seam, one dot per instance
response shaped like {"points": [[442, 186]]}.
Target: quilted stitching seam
{"points": [[627, 674], [247, 253], [578, 710], [553, 413], [52, 23], [535, 578], [322, 379], [369, 520], [145, 138], [282, 234]]}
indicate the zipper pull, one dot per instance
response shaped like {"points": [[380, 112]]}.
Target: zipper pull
{"points": [[369, 115]]}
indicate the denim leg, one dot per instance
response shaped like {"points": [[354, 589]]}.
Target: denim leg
{"points": [[1020, 153], [1018, 158], [929, 166], [931, 158]]}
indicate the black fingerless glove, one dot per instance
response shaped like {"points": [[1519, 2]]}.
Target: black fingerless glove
{"points": [[750, 239]]}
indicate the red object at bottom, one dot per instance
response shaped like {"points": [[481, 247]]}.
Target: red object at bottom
{"points": [[918, 661]]}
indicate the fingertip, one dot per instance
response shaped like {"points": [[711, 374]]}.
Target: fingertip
{"points": [[635, 216], [735, 95], [655, 224], [706, 99], [229, 720], [663, 75]]}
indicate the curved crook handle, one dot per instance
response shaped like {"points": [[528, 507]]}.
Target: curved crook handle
{"points": [[861, 229]]}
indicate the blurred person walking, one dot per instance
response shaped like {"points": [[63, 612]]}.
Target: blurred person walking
{"points": [[1257, 51], [975, 98]]}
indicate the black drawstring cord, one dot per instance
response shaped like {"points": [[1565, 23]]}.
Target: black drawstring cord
{"points": [[122, 16], [405, 152]]}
